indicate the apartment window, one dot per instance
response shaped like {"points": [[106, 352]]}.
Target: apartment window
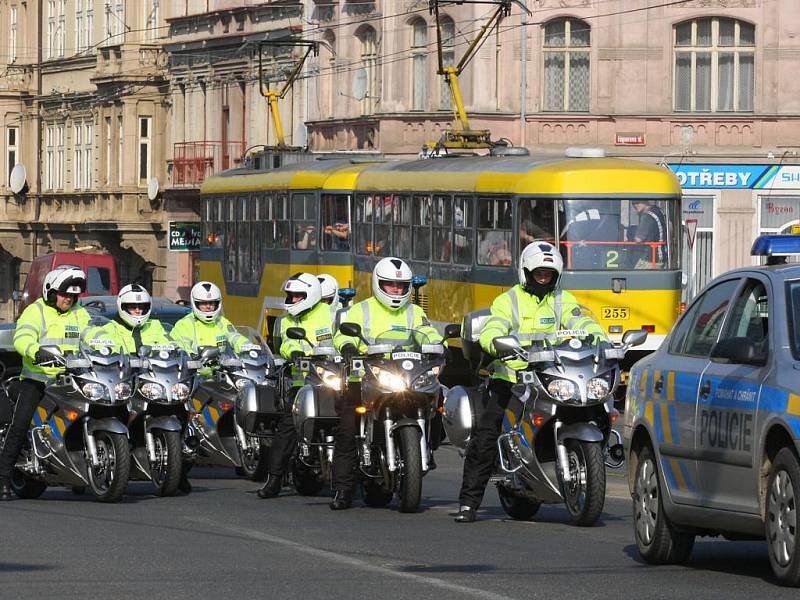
{"points": [[51, 28], [54, 151], [369, 62], [107, 131], [419, 64], [145, 134], [12, 150], [714, 65], [12, 19], [88, 144], [62, 26], [151, 9], [78, 163], [448, 58], [84, 16], [115, 22], [566, 65], [120, 143]]}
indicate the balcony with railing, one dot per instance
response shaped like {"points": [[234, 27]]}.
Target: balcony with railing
{"points": [[193, 162]]}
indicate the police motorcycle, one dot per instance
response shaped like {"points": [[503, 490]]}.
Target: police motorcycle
{"points": [[314, 413], [232, 415], [158, 413], [77, 437], [399, 392], [557, 436]]}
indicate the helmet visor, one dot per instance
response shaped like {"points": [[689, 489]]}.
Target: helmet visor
{"points": [[394, 288], [207, 305], [295, 297], [136, 308]]}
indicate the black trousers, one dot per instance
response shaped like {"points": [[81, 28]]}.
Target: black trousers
{"points": [[285, 440], [482, 450], [344, 440], [28, 394]]}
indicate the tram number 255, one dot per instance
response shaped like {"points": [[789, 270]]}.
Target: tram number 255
{"points": [[616, 312]]}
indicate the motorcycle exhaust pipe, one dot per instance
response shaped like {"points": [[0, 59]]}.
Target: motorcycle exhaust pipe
{"points": [[391, 461], [91, 447], [423, 441], [151, 446], [241, 436]]}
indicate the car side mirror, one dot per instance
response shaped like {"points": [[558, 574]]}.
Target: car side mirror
{"points": [[296, 333], [739, 351], [634, 337], [350, 329], [453, 330]]}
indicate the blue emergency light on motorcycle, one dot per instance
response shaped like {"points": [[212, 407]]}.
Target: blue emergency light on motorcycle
{"points": [[418, 281], [776, 247]]}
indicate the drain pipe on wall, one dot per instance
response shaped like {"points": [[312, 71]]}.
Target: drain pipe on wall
{"points": [[523, 77]]}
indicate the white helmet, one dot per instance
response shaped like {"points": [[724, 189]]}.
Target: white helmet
{"points": [[539, 255], [205, 291], [307, 287], [329, 288], [392, 270], [133, 294], [66, 279]]}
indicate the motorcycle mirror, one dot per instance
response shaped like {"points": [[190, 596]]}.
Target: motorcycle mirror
{"points": [[144, 350], [54, 351], [208, 353], [506, 342], [453, 330], [296, 333], [350, 329], [634, 337]]}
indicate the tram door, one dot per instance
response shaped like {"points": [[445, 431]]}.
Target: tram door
{"points": [[697, 247]]}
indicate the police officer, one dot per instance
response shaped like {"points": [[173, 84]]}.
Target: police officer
{"points": [[304, 308], [55, 319], [534, 307], [133, 325], [389, 306], [330, 290], [652, 229], [204, 326]]}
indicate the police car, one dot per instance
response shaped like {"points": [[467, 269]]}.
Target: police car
{"points": [[712, 419]]}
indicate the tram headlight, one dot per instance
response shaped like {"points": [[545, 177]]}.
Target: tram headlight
{"points": [[597, 388], [329, 378], [561, 389], [94, 391], [153, 391]]}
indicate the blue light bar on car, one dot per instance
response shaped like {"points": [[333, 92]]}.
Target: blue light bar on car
{"points": [[776, 245]]}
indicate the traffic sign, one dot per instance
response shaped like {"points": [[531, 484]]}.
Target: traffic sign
{"points": [[691, 231], [185, 236]]}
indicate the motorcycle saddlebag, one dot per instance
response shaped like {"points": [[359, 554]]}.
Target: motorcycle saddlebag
{"points": [[463, 407], [314, 412], [258, 409]]}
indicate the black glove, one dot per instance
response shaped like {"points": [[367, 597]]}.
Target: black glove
{"points": [[503, 352], [42, 357], [296, 354], [349, 351]]}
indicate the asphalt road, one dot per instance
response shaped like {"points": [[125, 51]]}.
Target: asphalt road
{"points": [[223, 542]]}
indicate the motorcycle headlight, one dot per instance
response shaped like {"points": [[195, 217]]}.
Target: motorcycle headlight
{"points": [[242, 383], [123, 390], [94, 391], [425, 380], [561, 389], [388, 380], [153, 391], [180, 391], [597, 388], [329, 378]]}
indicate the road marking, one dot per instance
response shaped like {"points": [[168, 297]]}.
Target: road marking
{"points": [[356, 563]]}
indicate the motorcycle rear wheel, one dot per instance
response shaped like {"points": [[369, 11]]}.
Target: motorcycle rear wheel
{"points": [[411, 473], [26, 487], [374, 495], [585, 495], [166, 472], [255, 463], [516, 507], [109, 480]]}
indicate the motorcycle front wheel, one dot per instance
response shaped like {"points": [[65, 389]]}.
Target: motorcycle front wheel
{"points": [[26, 487], [110, 478], [166, 471], [374, 495], [585, 493], [254, 460], [411, 473]]}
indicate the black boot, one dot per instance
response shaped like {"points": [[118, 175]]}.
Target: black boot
{"points": [[5, 491], [342, 500], [184, 486], [271, 487], [465, 515]]}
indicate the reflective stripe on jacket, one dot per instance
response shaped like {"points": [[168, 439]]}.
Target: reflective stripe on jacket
{"points": [[152, 333], [191, 334], [523, 315], [317, 324], [42, 325]]}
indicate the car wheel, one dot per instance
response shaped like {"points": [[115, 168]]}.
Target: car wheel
{"points": [[783, 491], [656, 539]]}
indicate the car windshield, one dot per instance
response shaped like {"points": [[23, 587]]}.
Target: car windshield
{"points": [[793, 313], [405, 339]]}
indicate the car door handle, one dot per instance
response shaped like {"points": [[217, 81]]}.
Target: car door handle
{"points": [[705, 389], [658, 385]]}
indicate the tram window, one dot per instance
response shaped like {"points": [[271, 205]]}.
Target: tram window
{"points": [[402, 226], [230, 238], [267, 222], [442, 228], [335, 222], [304, 222], [421, 229], [382, 228], [256, 231], [536, 221], [280, 212], [363, 224], [462, 229], [243, 228], [494, 231]]}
